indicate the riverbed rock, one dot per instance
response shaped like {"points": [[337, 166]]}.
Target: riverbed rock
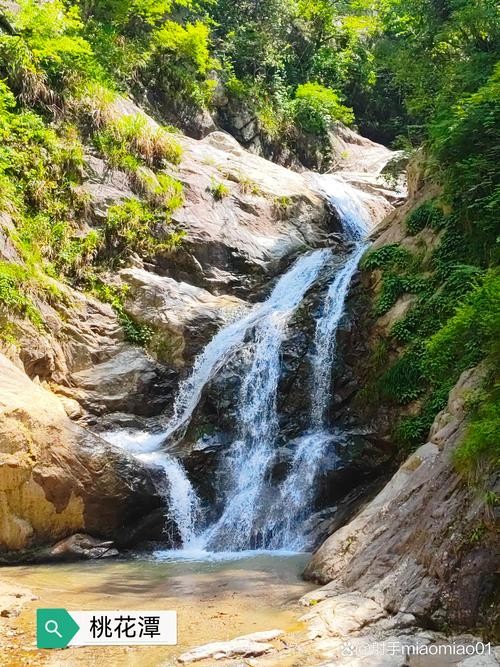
{"points": [[122, 383], [81, 547], [244, 646], [57, 478]]}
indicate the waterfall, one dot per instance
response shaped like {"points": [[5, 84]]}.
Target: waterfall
{"points": [[284, 298], [248, 460], [249, 517], [180, 496], [325, 337], [250, 454], [296, 493]]}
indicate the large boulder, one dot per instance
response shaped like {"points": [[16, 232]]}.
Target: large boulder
{"points": [[129, 381], [56, 478]]}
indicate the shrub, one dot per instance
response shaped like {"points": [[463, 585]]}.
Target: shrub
{"points": [[281, 205], [15, 281], [49, 51], [387, 256], [403, 381], [470, 335], [316, 107], [181, 61], [480, 447], [134, 226]]}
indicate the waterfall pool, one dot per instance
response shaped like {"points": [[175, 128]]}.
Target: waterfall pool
{"points": [[216, 599]]}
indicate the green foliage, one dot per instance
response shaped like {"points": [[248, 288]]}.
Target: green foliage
{"points": [[131, 140], [426, 215], [466, 147], [316, 107], [135, 332], [181, 63], [160, 189], [479, 450], [281, 205], [14, 292], [135, 226], [387, 257], [399, 274], [50, 49], [470, 335], [218, 190], [402, 383]]}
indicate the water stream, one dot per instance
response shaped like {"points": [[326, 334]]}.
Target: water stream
{"points": [[259, 333]]}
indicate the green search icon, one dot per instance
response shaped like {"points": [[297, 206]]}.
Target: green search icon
{"points": [[55, 628], [52, 627]]}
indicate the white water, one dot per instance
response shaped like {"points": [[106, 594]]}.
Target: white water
{"points": [[249, 459], [180, 495], [296, 493], [284, 298], [325, 337]]}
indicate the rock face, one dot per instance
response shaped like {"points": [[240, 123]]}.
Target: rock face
{"points": [[266, 214], [56, 478], [411, 549], [183, 316]]}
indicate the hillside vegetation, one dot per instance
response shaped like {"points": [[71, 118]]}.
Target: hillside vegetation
{"points": [[410, 73]]}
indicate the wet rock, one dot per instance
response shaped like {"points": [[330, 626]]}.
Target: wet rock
{"points": [[81, 547]]}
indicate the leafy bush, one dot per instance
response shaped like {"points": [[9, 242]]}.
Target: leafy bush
{"points": [[181, 62], [403, 381], [479, 450], [14, 285], [388, 256], [470, 335], [160, 189], [426, 215], [466, 144], [315, 108]]}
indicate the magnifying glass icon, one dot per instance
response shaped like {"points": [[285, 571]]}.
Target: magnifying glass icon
{"points": [[53, 628]]}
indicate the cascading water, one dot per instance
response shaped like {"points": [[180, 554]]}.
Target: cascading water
{"points": [[284, 298], [179, 494], [296, 493], [259, 334], [248, 460], [325, 337]]}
